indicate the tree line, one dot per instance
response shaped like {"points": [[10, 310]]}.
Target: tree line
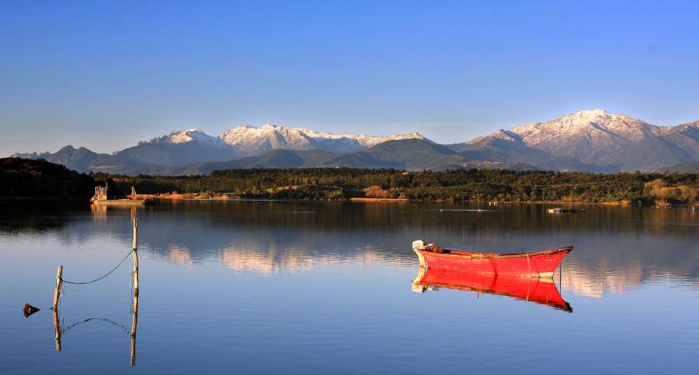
{"points": [[23, 178], [40, 179], [473, 185]]}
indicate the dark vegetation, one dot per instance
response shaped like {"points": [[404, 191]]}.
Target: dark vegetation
{"points": [[39, 179], [23, 178], [482, 185]]}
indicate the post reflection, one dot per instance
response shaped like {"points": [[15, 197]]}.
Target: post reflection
{"points": [[134, 325], [59, 331], [134, 310]]}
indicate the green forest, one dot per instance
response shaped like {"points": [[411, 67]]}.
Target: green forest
{"points": [[39, 179], [22, 178], [474, 185]]}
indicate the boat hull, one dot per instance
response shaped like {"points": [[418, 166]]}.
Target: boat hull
{"points": [[539, 264]]}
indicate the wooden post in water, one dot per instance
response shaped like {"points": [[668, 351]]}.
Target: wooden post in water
{"points": [[134, 313], [135, 257], [59, 283]]}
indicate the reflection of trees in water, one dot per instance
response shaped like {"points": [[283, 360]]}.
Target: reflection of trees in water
{"points": [[616, 247], [21, 217]]}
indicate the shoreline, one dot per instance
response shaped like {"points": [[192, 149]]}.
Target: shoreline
{"points": [[169, 197], [392, 200]]}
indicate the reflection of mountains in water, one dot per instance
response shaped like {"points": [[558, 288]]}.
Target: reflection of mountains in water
{"points": [[616, 248], [593, 283], [271, 261]]}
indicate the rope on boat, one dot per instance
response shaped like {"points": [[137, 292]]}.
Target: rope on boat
{"points": [[101, 277]]}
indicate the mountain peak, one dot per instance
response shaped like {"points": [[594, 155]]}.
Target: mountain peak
{"points": [[587, 116], [583, 121], [272, 126], [592, 113], [591, 136], [593, 139], [253, 140], [190, 135]]}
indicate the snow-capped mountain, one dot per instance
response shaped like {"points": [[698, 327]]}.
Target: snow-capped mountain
{"points": [[249, 140], [194, 146], [595, 136], [590, 141], [598, 138], [254, 140], [190, 135], [356, 142]]}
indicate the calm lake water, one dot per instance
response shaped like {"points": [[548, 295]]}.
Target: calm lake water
{"points": [[317, 288]]}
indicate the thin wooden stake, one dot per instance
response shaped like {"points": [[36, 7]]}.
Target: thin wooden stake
{"points": [[59, 283], [135, 257], [135, 232]]}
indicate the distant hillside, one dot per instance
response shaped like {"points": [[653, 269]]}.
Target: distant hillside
{"points": [[24, 178], [586, 141], [593, 141], [692, 167], [409, 154]]}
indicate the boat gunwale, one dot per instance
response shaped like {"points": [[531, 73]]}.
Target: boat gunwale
{"points": [[442, 251]]}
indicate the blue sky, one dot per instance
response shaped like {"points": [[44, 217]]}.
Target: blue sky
{"points": [[106, 74]]}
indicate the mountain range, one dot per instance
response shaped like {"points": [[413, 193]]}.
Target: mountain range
{"points": [[586, 141]]}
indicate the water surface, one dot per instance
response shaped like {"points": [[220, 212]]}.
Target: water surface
{"points": [[296, 287]]}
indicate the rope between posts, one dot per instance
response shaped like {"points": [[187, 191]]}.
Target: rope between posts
{"points": [[121, 326], [102, 277]]}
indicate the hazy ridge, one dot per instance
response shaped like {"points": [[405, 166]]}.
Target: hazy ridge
{"points": [[586, 141]]}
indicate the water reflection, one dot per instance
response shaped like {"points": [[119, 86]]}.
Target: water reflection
{"points": [[606, 278], [339, 275], [59, 330], [538, 290], [617, 247]]}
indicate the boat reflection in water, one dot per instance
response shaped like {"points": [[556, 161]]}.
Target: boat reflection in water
{"points": [[459, 275]]}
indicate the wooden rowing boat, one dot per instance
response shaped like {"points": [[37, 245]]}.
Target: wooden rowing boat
{"points": [[537, 264]]}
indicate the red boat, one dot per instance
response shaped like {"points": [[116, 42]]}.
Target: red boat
{"points": [[537, 264], [538, 290]]}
